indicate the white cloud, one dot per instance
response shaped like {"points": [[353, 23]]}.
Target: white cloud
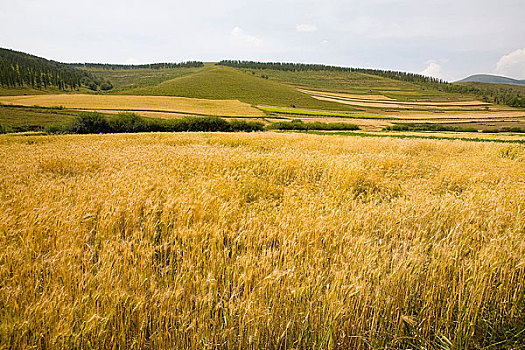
{"points": [[512, 65], [433, 70], [305, 28], [387, 34], [239, 34]]}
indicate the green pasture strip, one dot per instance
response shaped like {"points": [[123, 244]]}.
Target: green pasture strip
{"points": [[321, 113]]}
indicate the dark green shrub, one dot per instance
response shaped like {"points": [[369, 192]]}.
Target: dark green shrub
{"points": [[505, 129], [57, 129], [331, 126], [94, 123], [158, 125], [297, 124], [106, 86], [189, 124], [242, 125], [128, 122], [512, 129], [427, 127], [89, 123], [3, 130], [204, 124]]}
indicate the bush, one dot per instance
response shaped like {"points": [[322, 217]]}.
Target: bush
{"points": [[512, 129], [106, 86], [57, 129], [95, 123], [89, 123], [427, 127], [92, 86], [505, 129], [205, 124], [3, 130], [128, 122], [242, 125], [297, 124]]}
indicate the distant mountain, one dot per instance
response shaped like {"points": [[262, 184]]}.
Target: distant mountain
{"points": [[494, 79]]}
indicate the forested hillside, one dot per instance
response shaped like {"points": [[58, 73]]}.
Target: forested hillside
{"points": [[18, 69]]}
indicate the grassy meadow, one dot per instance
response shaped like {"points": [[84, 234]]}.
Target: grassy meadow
{"points": [[303, 112], [353, 82], [123, 79], [218, 82], [31, 118], [265, 240]]}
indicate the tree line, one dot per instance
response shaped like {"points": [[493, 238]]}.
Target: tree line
{"points": [[109, 66], [295, 67], [18, 69]]}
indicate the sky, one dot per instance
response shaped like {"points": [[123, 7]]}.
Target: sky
{"points": [[448, 39]]}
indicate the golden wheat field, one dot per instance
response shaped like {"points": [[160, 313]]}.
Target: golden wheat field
{"points": [[266, 240], [233, 108]]}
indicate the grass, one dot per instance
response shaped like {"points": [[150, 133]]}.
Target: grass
{"points": [[218, 82], [428, 127], [123, 79], [297, 124], [20, 118], [260, 241], [354, 83], [5, 91], [319, 113]]}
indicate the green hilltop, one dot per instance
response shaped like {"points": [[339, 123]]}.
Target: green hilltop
{"points": [[223, 83]]}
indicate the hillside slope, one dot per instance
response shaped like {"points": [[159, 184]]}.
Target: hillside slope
{"points": [[354, 82], [124, 79], [22, 70], [218, 82]]}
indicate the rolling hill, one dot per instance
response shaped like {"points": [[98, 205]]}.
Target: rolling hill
{"points": [[218, 82], [254, 83], [494, 79]]}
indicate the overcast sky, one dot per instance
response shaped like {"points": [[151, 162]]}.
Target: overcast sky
{"points": [[448, 39]]}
